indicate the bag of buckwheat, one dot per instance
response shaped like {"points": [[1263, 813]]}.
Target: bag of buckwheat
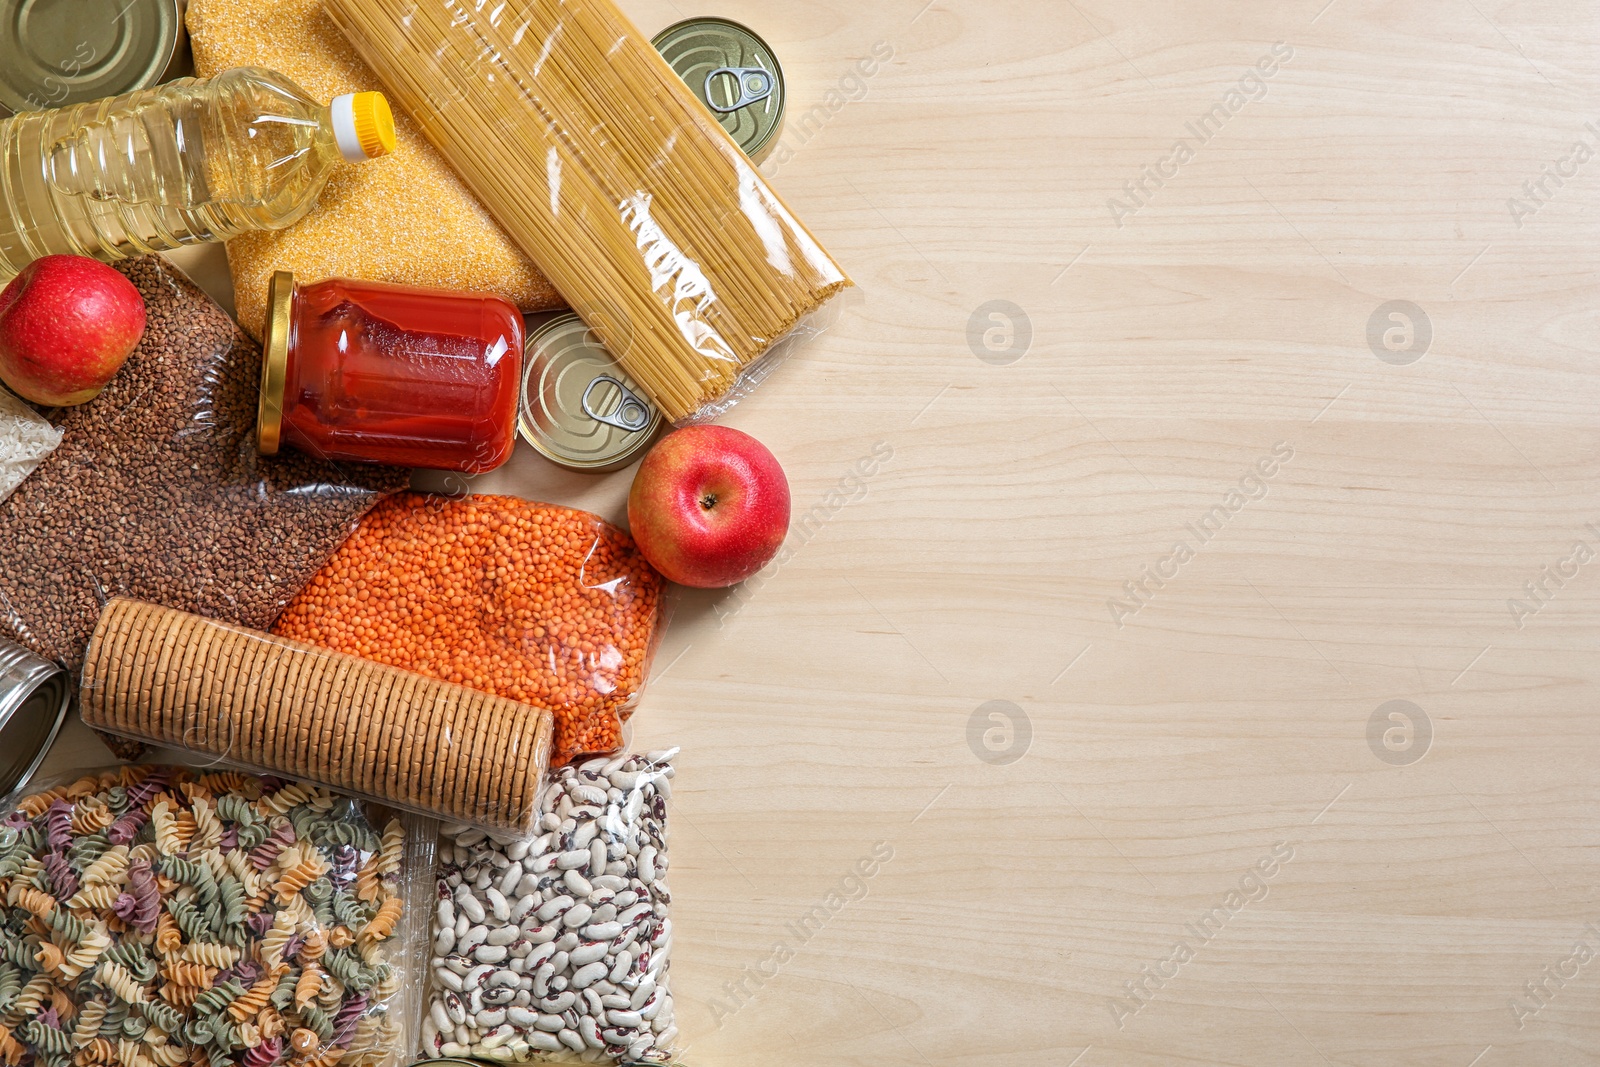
{"points": [[156, 492], [555, 947]]}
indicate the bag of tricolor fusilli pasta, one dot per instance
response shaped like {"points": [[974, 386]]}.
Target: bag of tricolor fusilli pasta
{"points": [[162, 916]]}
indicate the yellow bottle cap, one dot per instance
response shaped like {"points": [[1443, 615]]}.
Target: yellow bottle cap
{"points": [[374, 123]]}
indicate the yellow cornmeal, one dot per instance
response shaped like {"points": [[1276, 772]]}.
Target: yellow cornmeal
{"points": [[404, 217]]}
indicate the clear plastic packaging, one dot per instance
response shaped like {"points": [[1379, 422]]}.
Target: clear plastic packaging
{"points": [[156, 916], [186, 162], [268, 703], [582, 915], [156, 490], [605, 169], [806, 330], [538, 603], [26, 438]]}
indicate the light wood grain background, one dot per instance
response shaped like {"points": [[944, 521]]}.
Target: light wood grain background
{"points": [[1043, 860]]}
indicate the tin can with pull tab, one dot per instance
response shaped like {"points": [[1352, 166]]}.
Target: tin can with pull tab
{"points": [[34, 694], [579, 408], [734, 73], [55, 53]]}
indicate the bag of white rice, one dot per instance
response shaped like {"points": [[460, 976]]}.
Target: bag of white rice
{"points": [[25, 439]]}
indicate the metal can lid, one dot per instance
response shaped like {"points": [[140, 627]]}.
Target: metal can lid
{"points": [[579, 407], [734, 73], [34, 694], [54, 52]]}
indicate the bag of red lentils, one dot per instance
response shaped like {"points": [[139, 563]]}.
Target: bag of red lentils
{"points": [[547, 605]]}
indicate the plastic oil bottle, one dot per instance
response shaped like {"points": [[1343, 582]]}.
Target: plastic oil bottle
{"points": [[186, 162]]}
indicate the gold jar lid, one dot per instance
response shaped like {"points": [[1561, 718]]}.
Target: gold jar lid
{"points": [[274, 363]]}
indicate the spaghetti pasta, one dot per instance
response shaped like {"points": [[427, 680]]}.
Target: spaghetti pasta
{"points": [[603, 167]]}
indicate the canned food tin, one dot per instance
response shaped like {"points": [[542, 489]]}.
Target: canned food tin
{"points": [[59, 52], [34, 694], [579, 407], [732, 72]]}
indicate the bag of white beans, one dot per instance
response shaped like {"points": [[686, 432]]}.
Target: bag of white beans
{"points": [[555, 947]]}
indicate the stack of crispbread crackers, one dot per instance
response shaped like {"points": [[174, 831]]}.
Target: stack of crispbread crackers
{"points": [[172, 678]]}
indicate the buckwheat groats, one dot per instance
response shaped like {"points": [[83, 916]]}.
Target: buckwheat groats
{"points": [[156, 490], [542, 604], [164, 676], [163, 917]]}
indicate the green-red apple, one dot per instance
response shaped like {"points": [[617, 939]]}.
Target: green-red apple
{"points": [[67, 324], [709, 506]]}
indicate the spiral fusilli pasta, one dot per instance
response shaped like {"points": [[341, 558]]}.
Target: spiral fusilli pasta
{"points": [[94, 896], [108, 868], [87, 1025], [155, 918], [289, 797], [82, 956], [296, 878], [169, 840], [308, 987], [211, 954], [116, 978], [208, 828], [90, 815], [382, 925]]}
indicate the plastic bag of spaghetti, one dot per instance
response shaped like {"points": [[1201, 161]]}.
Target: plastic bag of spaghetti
{"points": [[602, 166], [156, 916], [26, 438], [556, 947]]}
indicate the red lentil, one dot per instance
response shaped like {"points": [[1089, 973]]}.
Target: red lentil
{"points": [[542, 604]]}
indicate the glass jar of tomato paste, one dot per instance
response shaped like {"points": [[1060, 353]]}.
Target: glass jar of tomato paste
{"points": [[380, 373]]}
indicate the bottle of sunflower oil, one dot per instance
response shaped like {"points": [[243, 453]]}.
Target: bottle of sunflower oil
{"points": [[193, 160]]}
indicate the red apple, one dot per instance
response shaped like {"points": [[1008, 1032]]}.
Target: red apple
{"points": [[709, 506], [67, 324]]}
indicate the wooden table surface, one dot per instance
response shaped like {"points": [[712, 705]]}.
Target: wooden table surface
{"points": [[1186, 654]]}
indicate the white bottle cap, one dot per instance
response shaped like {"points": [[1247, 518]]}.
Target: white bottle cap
{"points": [[344, 129]]}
